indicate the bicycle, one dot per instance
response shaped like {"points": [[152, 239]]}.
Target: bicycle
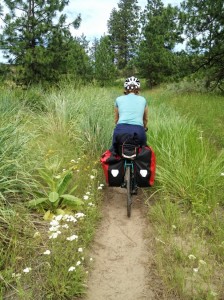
{"points": [[129, 152]]}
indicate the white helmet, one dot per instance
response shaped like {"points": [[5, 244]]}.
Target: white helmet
{"points": [[132, 83]]}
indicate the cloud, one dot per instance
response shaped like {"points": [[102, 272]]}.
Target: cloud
{"points": [[95, 15]]}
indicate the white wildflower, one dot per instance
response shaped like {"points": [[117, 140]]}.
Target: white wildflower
{"points": [[102, 184], [59, 217], [85, 197], [191, 256], [195, 270], [71, 269], [92, 176], [79, 215], [54, 228], [80, 250], [64, 218], [100, 188], [69, 218], [202, 262], [27, 270], [54, 223], [73, 161], [78, 263], [72, 237], [87, 193], [90, 259], [54, 235], [47, 252], [91, 204], [65, 226]]}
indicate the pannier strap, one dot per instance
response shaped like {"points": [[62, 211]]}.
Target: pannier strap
{"points": [[129, 151], [128, 156]]}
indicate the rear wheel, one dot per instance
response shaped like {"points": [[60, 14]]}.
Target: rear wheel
{"points": [[128, 185]]}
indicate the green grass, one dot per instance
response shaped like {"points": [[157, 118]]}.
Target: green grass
{"points": [[68, 129], [188, 194], [53, 132], [205, 109]]}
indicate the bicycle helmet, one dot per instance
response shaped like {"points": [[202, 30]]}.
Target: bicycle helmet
{"points": [[132, 83]]}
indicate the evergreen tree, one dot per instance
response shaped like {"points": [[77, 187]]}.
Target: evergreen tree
{"points": [[156, 59], [35, 41], [204, 23], [104, 66], [95, 44], [77, 61], [123, 28]]}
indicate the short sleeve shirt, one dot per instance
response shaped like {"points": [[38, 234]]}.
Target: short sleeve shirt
{"points": [[131, 109]]}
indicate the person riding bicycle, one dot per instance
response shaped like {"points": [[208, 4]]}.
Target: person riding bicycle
{"points": [[131, 115]]}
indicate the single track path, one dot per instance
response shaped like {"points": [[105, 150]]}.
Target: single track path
{"points": [[124, 267]]}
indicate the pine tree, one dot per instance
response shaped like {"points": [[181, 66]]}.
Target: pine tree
{"points": [[37, 38], [104, 66], [156, 59], [204, 23], [123, 28]]}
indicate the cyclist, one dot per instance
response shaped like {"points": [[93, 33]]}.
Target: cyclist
{"points": [[131, 115]]}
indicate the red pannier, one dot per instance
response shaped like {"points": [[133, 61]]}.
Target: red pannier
{"points": [[113, 167], [145, 167]]}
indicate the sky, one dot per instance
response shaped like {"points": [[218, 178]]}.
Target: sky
{"points": [[94, 14]]}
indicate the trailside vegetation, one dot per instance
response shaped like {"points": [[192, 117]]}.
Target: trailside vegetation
{"points": [[51, 185]]}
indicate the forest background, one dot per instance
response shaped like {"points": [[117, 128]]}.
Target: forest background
{"points": [[40, 48]]}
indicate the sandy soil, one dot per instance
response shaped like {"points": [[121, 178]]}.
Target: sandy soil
{"points": [[124, 268]]}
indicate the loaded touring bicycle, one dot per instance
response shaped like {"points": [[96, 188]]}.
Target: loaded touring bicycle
{"points": [[130, 167]]}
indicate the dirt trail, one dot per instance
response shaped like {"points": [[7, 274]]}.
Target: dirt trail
{"points": [[123, 261]]}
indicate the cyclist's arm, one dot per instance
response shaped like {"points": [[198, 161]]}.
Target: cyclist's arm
{"points": [[116, 115], [145, 117]]}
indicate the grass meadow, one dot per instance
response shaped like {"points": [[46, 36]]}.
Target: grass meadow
{"points": [[52, 185], [187, 201]]}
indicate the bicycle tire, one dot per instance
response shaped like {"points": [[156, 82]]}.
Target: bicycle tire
{"points": [[128, 185]]}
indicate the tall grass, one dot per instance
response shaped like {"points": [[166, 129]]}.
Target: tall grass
{"points": [[189, 194], [13, 143], [82, 119], [187, 167], [64, 129], [68, 129], [205, 109]]}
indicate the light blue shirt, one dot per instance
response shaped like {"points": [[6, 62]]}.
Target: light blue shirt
{"points": [[131, 109]]}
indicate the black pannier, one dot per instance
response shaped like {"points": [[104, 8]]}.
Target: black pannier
{"points": [[113, 167], [145, 164]]}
